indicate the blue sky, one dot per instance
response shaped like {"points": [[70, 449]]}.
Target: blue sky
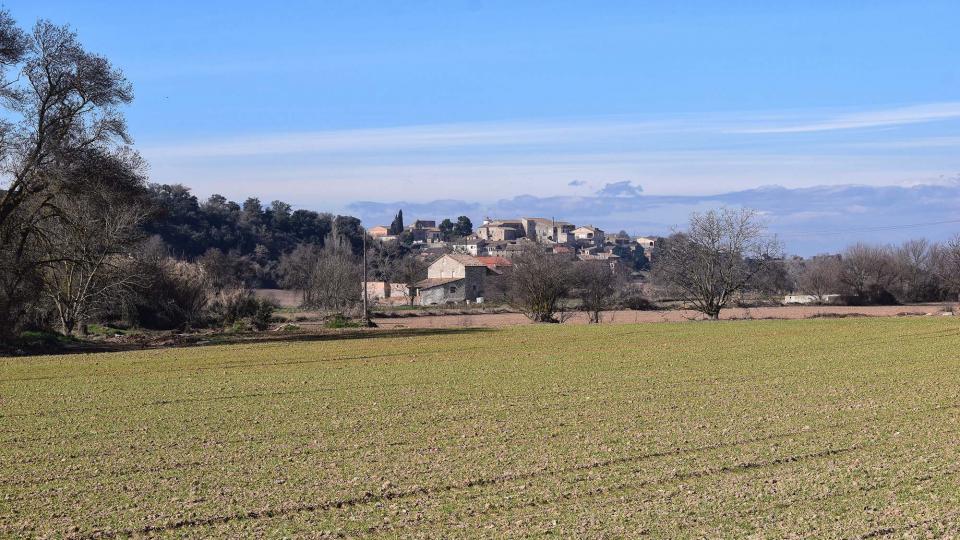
{"points": [[344, 105]]}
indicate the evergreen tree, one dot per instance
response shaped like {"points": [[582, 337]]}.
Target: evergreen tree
{"points": [[397, 226], [446, 230], [464, 226]]}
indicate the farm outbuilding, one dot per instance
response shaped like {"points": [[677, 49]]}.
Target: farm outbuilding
{"points": [[453, 278]]}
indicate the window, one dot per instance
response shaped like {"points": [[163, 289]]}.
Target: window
{"points": [[453, 290]]}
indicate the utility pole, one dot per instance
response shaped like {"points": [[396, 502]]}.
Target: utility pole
{"points": [[366, 310]]}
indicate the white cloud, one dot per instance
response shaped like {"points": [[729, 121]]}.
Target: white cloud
{"points": [[703, 154], [915, 114], [610, 130], [425, 137]]}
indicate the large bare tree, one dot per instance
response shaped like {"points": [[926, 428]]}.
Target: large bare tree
{"points": [[410, 270], [87, 241], [539, 283], [596, 285], [820, 277], [329, 278], [946, 265], [336, 281], [868, 272], [720, 254], [913, 266]]}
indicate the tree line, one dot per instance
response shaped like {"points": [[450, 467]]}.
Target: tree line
{"points": [[84, 237], [241, 243], [915, 271], [727, 257]]}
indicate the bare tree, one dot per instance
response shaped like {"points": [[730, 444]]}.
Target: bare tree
{"points": [[410, 270], [596, 286], [913, 270], [820, 277], [297, 269], [539, 283], [330, 277], [946, 265], [336, 282], [771, 281], [88, 244], [719, 255], [868, 272]]}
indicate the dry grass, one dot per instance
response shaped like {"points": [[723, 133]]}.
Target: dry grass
{"points": [[820, 428]]}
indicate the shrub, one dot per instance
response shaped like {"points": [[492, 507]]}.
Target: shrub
{"points": [[241, 305], [175, 296], [339, 320], [631, 297]]}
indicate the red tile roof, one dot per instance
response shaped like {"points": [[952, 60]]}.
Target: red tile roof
{"points": [[493, 261]]}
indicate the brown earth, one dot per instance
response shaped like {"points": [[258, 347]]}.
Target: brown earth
{"points": [[493, 320]]}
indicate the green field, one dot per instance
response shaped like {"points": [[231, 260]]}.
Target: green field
{"points": [[816, 428]]}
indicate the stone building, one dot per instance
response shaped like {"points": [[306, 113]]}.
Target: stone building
{"points": [[503, 230], [453, 278], [588, 235]]}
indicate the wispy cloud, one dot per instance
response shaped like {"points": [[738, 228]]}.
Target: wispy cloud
{"points": [[610, 131], [912, 144], [439, 136], [685, 154], [916, 114]]}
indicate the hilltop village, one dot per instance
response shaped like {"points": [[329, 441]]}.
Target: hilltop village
{"points": [[465, 261]]}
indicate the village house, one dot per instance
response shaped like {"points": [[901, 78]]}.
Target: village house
{"points": [[496, 264], [500, 230], [620, 239], [471, 245], [612, 260], [559, 249], [378, 231], [647, 243], [425, 232], [589, 235], [549, 231], [497, 282], [510, 249], [453, 278]]}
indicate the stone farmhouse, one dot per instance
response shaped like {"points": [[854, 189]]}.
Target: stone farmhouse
{"points": [[453, 278]]}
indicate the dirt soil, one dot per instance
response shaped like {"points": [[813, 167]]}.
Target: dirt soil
{"points": [[494, 320]]}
